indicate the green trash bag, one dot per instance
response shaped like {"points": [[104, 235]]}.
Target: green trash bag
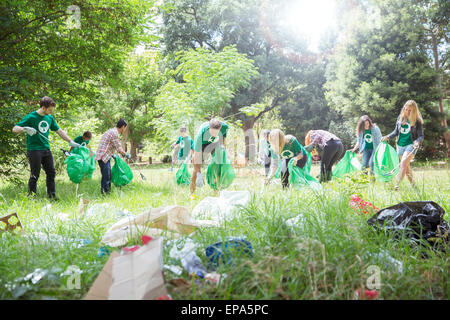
{"points": [[76, 167], [91, 166], [278, 172], [299, 177], [385, 162], [307, 166], [183, 177], [90, 162], [121, 173], [348, 164], [220, 173]]}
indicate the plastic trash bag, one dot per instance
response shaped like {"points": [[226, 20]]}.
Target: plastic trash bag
{"points": [[121, 173], [385, 162], [417, 220], [199, 182], [220, 252], [300, 177], [220, 173], [91, 166], [348, 164], [76, 167], [224, 207], [183, 177]]}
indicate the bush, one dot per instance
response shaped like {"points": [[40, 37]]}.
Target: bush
{"points": [[166, 159]]}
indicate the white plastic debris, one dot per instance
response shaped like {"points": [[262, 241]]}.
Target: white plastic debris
{"points": [[223, 207]]}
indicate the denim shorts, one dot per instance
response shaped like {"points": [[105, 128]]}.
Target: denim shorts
{"points": [[401, 149]]}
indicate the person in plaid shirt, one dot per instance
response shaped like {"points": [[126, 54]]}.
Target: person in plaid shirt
{"points": [[108, 144], [332, 147]]}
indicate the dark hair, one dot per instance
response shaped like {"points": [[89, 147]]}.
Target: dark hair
{"points": [[266, 132], [183, 129], [215, 123], [361, 123], [87, 135], [121, 123], [47, 102]]}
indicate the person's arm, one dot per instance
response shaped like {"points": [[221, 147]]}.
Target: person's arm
{"points": [[65, 137], [356, 147], [116, 143], [420, 137]]}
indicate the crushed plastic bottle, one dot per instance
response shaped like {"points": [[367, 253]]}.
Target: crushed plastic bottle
{"points": [[199, 181], [193, 265]]}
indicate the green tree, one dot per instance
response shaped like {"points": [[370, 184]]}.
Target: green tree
{"points": [[381, 65], [52, 48]]}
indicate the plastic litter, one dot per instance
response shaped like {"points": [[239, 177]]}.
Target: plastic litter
{"points": [[174, 269], [103, 251], [193, 265], [301, 178], [172, 221], [121, 173], [348, 164], [418, 220], [199, 182], [182, 176], [214, 278], [388, 262], [361, 206], [368, 294], [221, 252], [386, 162], [57, 240], [221, 208], [220, 173]]}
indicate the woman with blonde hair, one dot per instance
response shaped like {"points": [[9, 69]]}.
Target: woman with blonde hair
{"points": [[286, 147], [369, 137], [409, 129]]}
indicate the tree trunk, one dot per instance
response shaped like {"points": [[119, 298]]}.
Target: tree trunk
{"points": [[133, 150], [250, 145], [439, 85]]}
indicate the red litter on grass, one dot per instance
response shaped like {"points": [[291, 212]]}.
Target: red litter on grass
{"points": [[130, 249], [368, 294], [146, 239], [362, 206], [164, 297]]}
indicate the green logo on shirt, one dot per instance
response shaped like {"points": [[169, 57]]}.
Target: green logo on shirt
{"points": [[182, 144], [405, 128], [368, 138], [213, 139], [287, 154], [43, 126]]}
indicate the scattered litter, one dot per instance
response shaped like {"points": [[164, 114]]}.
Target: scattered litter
{"points": [[82, 205], [173, 221], [164, 297], [193, 265], [107, 210], [418, 220], [62, 216], [219, 252], [362, 206], [178, 252], [174, 269], [134, 276], [215, 278], [55, 239], [103, 251], [389, 262], [130, 249], [199, 182], [10, 222], [368, 294], [223, 207], [295, 221]]}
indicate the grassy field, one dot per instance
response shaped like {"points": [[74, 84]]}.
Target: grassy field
{"points": [[326, 255]]}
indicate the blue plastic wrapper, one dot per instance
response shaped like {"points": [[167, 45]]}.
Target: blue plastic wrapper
{"points": [[219, 252]]}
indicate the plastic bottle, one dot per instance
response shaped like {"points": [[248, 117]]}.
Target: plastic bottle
{"points": [[193, 265], [199, 182]]}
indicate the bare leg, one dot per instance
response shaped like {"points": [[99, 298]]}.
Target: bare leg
{"points": [[405, 167], [197, 168]]}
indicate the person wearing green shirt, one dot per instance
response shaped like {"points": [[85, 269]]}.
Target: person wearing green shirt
{"points": [[409, 129], [185, 144], [84, 141], [37, 126], [210, 135], [286, 148], [369, 137]]}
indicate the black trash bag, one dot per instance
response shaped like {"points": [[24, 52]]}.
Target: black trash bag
{"points": [[418, 220]]}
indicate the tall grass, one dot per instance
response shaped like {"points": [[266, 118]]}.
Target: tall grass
{"points": [[325, 254]]}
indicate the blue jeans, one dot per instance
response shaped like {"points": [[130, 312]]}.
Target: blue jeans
{"points": [[367, 159], [105, 169]]}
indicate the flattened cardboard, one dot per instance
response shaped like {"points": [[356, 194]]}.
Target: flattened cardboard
{"points": [[139, 275], [100, 289]]}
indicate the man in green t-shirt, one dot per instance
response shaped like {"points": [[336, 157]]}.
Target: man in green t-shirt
{"points": [[37, 125], [84, 141], [210, 135]]}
